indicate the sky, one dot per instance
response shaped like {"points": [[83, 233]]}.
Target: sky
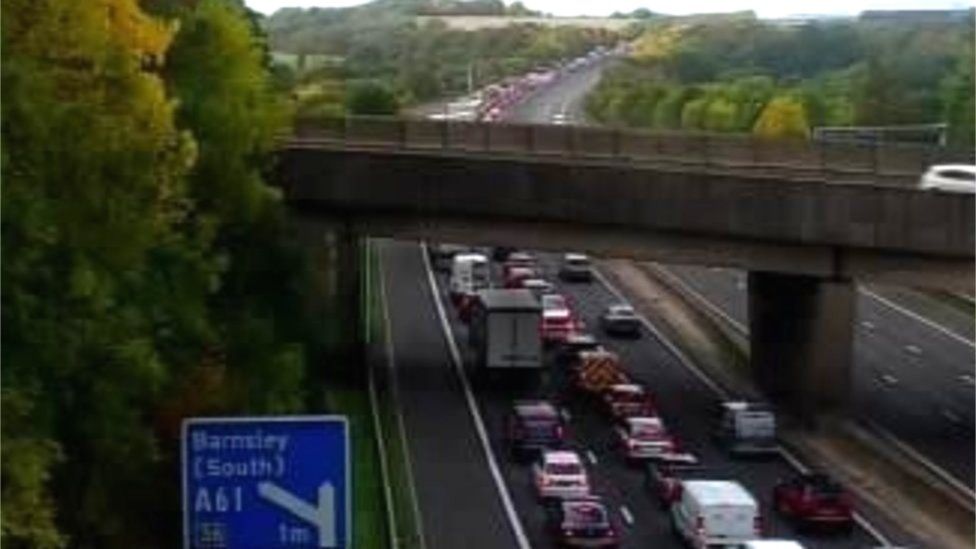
{"points": [[764, 8]]}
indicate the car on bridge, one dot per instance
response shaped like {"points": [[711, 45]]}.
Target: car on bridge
{"points": [[534, 426], [954, 178], [814, 500], [560, 474], [581, 522], [642, 438], [625, 400], [620, 320]]}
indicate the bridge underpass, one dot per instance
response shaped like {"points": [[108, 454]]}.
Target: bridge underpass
{"points": [[804, 242]]}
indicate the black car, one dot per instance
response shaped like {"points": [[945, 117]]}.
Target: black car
{"points": [[501, 253], [581, 522], [576, 268], [534, 425], [620, 320]]}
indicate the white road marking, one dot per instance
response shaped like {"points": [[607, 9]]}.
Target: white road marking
{"points": [[970, 495], [395, 391], [724, 394], [715, 309], [867, 324], [592, 457], [564, 413], [628, 517], [918, 317], [913, 349], [720, 391], [889, 379], [951, 416], [479, 424], [967, 379], [392, 528]]}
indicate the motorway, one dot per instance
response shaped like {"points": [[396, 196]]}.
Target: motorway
{"points": [[468, 491], [900, 356], [911, 376], [452, 469]]}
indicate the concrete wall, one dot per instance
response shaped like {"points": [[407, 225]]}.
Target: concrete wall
{"points": [[750, 222]]}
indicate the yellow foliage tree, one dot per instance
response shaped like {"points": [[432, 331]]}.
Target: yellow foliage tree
{"points": [[783, 117]]}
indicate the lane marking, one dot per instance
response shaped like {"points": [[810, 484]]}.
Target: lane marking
{"points": [[889, 380], [913, 349], [479, 424], [867, 324], [933, 468], [967, 379], [724, 394], [392, 528], [395, 393], [720, 391], [718, 311], [913, 454], [592, 457], [912, 314], [628, 517]]}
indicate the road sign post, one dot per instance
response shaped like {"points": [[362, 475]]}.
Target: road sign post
{"points": [[266, 482]]}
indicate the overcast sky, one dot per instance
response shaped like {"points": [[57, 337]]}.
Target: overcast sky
{"points": [[765, 8]]}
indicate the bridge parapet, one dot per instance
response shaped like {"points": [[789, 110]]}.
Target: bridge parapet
{"points": [[884, 164]]}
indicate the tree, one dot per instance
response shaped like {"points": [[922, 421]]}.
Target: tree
{"points": [[959, 109], [370, 98], [783, 117], [93, 169]]}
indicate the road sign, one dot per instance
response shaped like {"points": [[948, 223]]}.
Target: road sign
{"points": [[266, 482]]}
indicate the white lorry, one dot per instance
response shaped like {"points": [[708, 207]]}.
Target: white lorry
{"points": [[505, 330], [469, 274], [715, 513]]}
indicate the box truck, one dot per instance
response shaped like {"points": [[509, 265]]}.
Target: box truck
{"points": [[505, 330]]}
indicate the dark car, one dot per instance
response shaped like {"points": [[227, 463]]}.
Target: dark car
{"points": [[501, 253], [620, 320], [663, 477], [533, 426], [581, 522], [814, 500]]}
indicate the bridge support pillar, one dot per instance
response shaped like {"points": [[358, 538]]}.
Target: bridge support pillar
{"points": [[349, 292], [801, 339]]}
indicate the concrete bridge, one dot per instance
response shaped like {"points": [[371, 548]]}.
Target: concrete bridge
{"points": [[805, 220]]}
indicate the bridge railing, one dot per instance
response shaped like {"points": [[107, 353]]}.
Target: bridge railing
{"points": [[887, 163]]}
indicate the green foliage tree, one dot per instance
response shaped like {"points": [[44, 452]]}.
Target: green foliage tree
{"points": [[371, 98], [93, 169], [958, 101]]}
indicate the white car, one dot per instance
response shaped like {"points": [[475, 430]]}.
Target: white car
{"points": [[954, 178], [560, 119], [560, 474]]}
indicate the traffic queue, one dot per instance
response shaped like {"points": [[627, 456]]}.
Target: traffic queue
{"points": [[539, 329]]}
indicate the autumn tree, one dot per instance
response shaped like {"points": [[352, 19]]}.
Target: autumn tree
{"points": [[783, 117]]}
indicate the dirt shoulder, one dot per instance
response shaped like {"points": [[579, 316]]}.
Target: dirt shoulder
{"points": [[896, 494]]}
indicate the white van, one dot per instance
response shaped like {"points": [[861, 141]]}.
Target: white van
{"points": [[770, 544], [747, 428], [469, 273], [714, 513]]}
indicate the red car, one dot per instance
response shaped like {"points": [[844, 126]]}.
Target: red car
{"points": [[515, 276], [628, 400], [814, 500], [581, 522], [517, 259], [558, 320]]}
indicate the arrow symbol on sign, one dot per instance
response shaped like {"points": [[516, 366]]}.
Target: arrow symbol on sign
{"points": [[321, 516]]}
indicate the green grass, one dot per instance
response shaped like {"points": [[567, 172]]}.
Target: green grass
{"points": [[407, 531], [369, 520]]}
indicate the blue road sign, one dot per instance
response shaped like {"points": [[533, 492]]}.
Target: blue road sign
{"points": [[266, 482]]}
